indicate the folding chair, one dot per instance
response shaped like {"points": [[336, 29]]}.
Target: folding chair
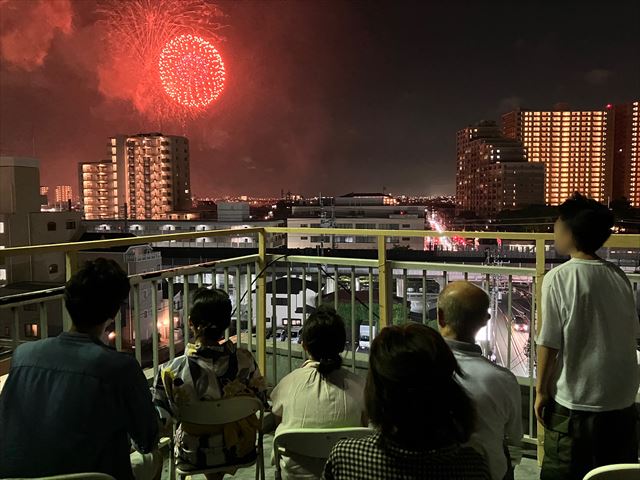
{"points": [[621, 471], [220, 412], [312, 442]]}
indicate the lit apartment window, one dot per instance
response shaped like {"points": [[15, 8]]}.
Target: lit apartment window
{"points": [[3, 273], [1, 227]]}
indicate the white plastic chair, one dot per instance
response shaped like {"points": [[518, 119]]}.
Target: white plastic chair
{"points": [[220, 412], [621, 471], [313, 442]]}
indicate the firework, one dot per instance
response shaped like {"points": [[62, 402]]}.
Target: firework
{"points": [[137, 34], [191, 71]]}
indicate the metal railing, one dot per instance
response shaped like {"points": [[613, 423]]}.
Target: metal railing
{"points": [[273, 294]]}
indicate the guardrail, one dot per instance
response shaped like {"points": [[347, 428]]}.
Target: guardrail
{"points": [[268, 309]]}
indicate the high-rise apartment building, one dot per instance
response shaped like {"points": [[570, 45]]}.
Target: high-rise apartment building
{"points": [[63, 193], [626, 152], [493, 173], [99, 190], [576, 148], [146, 178]]}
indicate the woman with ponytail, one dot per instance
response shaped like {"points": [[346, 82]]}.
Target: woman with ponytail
{"points": [[319, 394], [210, 369], [422, 414]]}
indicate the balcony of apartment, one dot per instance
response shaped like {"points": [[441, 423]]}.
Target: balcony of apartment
{"points": [[274, 290]]}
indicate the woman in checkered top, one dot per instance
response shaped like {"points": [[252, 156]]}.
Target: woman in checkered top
{"points": [[422, 414]]}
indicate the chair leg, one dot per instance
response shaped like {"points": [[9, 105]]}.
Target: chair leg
{"points": [[172, 463], [260, 460]]}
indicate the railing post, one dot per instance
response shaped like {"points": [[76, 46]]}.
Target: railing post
{"points": [[540, 266], [261, 300], [136, 322], [154, 327], [384, 285], [70, 267], [44, 322], [15, 329], [172, 340]]}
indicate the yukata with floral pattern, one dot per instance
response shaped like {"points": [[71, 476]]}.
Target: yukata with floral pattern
{"points": [[210, 372]]}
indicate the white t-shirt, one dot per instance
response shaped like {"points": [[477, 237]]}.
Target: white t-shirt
{"points": [[303, 399], [589, 315], [496, 394]]}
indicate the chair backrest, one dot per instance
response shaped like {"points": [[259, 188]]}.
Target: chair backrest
{"points": [[219, 412], [622, 471], [316, 442]]}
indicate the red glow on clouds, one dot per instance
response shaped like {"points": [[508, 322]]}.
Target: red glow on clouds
{"points": [[191, 71], [164, 78], [27, 29]]}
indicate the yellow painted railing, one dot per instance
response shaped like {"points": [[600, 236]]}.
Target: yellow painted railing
{"points": [[259, 263], [385, 272]]}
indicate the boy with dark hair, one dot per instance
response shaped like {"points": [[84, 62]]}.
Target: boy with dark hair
{"points": [[71, 403], [587, 366]]}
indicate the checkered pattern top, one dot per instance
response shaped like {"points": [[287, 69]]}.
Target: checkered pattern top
{"points": [[374, 458]]}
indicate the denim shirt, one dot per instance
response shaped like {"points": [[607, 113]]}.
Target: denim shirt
{"points": [[70, 405]]}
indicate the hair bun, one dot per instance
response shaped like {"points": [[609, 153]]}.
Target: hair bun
{"points": [[328, 365]]}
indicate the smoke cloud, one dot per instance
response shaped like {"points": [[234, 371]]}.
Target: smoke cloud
{"points": [[29, 27]]}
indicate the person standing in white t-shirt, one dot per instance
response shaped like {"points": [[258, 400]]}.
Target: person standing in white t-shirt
{"points": [[587, 368]]}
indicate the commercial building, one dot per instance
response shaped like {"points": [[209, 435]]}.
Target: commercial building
{"points": [[576, 148], [99, 190], [22, 223], [233, 211], [158, 227], [147, 177], [378, 211], [350, 241], [493, 174], [64, 193], [626, 152]]}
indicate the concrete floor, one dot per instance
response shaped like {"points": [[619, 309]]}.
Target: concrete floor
{"points": [[527, 470]]}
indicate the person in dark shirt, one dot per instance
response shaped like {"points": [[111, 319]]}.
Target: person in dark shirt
{"points": [[422, 414], [70, 404]]}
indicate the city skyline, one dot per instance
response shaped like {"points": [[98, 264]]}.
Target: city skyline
{"points": [[323, 98]]}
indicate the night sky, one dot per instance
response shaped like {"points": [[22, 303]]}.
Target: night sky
{"points": [[321, 96]]}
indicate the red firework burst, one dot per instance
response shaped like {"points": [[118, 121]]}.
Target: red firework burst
{"points": [[191, 71], [137, 32]]}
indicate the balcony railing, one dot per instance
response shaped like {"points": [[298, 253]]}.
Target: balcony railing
{"points": [[273, 294]]}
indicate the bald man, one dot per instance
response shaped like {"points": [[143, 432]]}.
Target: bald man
{"points": [[463, 309]]}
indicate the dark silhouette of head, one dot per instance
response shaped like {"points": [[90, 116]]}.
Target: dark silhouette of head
{"points": [[210, 314], [323, 337], [463, 309], [411, 392], [94, 294], [583, 225]]}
